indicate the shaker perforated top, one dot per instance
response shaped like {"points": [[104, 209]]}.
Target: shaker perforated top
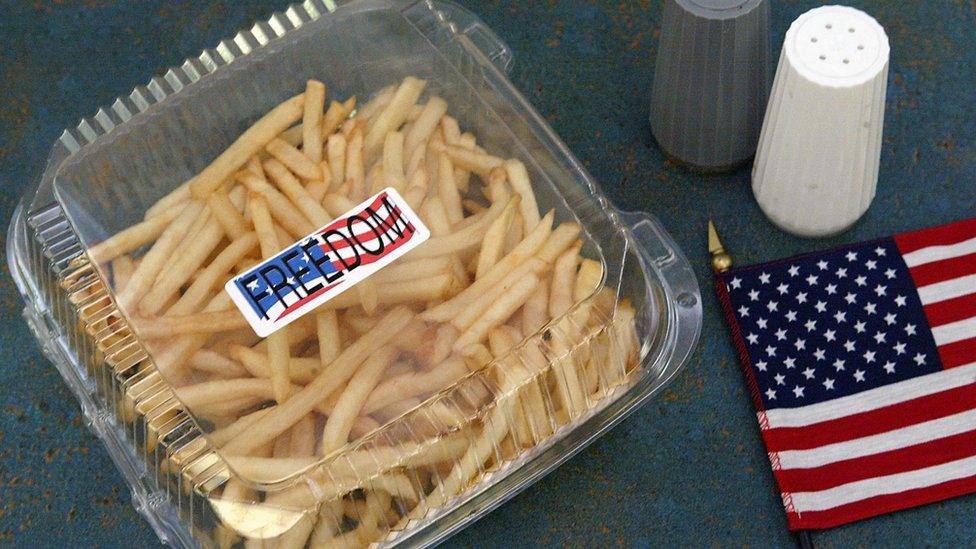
{"points": [[837, 46]]}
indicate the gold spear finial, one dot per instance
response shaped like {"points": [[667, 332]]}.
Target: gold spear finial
{"points": [[721, 260]]}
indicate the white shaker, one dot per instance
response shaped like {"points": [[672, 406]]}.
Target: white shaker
{"points": [[816, 167]]}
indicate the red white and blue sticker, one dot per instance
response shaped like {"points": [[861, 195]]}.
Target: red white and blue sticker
{"points": [[327, 262]]}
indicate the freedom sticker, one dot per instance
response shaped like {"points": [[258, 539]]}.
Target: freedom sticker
{"points": [[327, 262]]}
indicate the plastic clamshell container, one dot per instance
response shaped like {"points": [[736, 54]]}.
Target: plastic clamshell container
{"points": [[103, 175]]}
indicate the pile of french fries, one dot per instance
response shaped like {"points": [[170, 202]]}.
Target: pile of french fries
{"points": [[404, 391]]}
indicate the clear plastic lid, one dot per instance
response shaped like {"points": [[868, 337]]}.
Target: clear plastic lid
{"points": [[531, 318]]}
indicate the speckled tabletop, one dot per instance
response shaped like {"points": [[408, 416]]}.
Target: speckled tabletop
{"points": [[688, 469]]}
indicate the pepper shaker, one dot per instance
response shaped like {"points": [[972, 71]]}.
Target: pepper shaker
{"points": [[711, 81]]}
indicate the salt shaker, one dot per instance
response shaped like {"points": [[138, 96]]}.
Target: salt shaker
{"points": [[711, 81], [816, 167]]}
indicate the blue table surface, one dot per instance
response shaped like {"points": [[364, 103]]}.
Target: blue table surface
{"points": [[687, 469]]}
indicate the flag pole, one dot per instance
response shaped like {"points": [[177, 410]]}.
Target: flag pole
{"points": [[722, 262]]}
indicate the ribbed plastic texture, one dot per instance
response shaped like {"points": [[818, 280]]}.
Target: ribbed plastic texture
{"points": [[444, 461], [711, 81], [816, 169]]}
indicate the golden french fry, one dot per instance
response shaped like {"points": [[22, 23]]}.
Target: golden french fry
{"points": [[518, 178], [498, 312], [295, 192], [281, 208], [250, 142], [312, 120], [393, 148], [356, 167], [336, 155], [134, 237], [226, 213], [199, 323], [563, 278], [294, 159], [425, 125], [395, 113], [494, 240], [347, 408]]}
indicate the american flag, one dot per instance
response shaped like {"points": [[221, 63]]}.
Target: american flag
{"points": [[862, 365]]}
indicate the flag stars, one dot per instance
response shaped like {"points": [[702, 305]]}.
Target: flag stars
{"points": [[831, 289], [890, 274], [879, 338], [822, 265], [910, 329], [881, 252], [851, 256], [809, 373], [828, 384], [801, 297], [800, 344], [764, 278], [736, 283], [813, 280], [881, 290], [821, 306], [762, 365], [871, 264], [798, 391], [783, 288], [770, 350], [253, 285], [890, 319], [841, 273], [770, 394], [830, 335], [781, 334], [840, 317], [772, 306], [743, 311], [889, 367], [849, 346], [899, 348], [839, 364], [859, 375], [754, 295], [762, 323], [791, 316], [753, 339], [869, 357], [820, 354], [919, 359], [871, 308], [850, 298], [861, 281], [811, 325], [790, 363], [860, 327], [794, 270], [780, 379], [901, 301]]}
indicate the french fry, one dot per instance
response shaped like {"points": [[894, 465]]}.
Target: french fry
{"points": [[494, 240], [447, 189], [393, 147], [425, 125], [179, 195], [395, 113], [216, 363], [347, 408], [149, 268], [295, 192], [336, 115], [226, 213], [286, 414], [518, 178], [472, 161], [249, 143], [209, 276], [312, 120], [134, 237], [200, 323], [294, 159], [317, 189], [300, 370], [336, 154], [356, 167], [563, 278], [278, 204], [498, 313]]}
